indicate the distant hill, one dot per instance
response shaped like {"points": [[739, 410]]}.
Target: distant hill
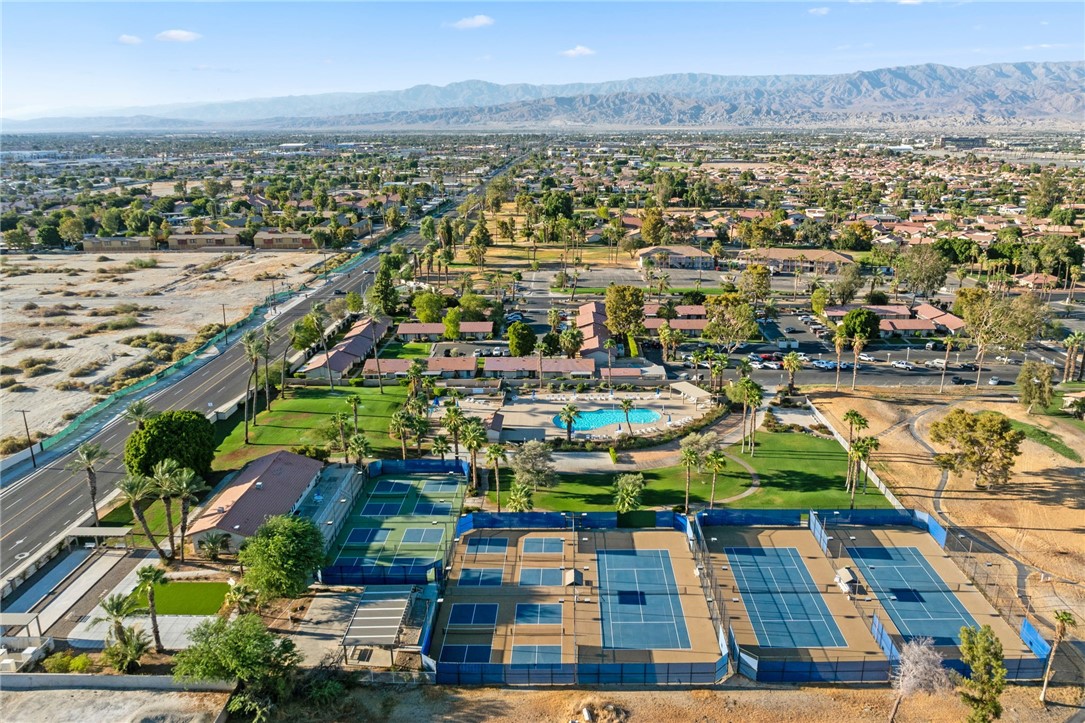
{"points": [[999, 94]]}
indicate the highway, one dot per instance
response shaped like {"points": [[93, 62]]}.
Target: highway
{"points": [[38, 507]]}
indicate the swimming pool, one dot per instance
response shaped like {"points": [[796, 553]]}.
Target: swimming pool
{"points": [[587, 421]]}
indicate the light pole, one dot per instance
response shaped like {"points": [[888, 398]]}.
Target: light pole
{"points": [[29, 441], [225, 329]]}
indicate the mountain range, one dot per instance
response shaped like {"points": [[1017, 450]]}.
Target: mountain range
{"points": [[1005, 95]]}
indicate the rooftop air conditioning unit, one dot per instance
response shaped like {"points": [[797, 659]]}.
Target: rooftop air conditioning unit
{"points": [[259, 485]]}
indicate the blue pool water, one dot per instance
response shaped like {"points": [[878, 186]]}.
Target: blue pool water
{"points": [[602, 417]]}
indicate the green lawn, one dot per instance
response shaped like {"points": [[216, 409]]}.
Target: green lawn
{"points": [[188, 598], [797, 471], [297, 420], [405, 350], [156, 519], [1048, 439]]}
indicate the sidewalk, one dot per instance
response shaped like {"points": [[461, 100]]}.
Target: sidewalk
{"points": [[59, 607]]}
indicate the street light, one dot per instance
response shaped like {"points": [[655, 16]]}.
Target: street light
{"points": [[29, 441]]}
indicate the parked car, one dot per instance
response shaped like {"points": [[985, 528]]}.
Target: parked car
{"points": [[994, 381], [765, 357], [1006, 359], [802, 357], [845, 365], [935, 363], [773, 365], [790, 330], [867, 357], [933, 346], [340, 292], [970, 367], [757, 365], [958, 380], [476, 352], [901, 364]]}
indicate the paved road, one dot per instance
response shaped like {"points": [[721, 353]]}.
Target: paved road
{"points": [[41, 505]]}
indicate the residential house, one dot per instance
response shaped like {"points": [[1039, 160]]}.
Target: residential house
{"points": [[273, 239], [809, 261], [275, 484], [943, 320], [419, 331], [527, 367], [888, 311], [201, 241], [905, 327], [98, 244], [676, 257]]}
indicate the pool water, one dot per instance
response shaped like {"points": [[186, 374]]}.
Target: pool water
{"points": [[587, 421]]}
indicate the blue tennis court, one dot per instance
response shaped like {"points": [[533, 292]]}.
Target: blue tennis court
{"points": [[916, 598], [638, 601], [538, 613], [392, 488], [786, 608], [440, 487], [465, 654], [480, 577], [473, 614], [381, 509], [367, 536], [543, 546], [540, 577], [536, 655], [487, 545], [437, 509], [423, 535]]}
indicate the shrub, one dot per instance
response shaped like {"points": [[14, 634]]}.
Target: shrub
{"points": [[103, 259], [312, 451], [6, 382], [613, 455], [39, 370], [5, 369], [29, 306], [142, 263], [81, 664], [86, 369], [33, 342], [58, 662]]}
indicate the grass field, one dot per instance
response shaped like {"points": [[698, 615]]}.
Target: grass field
{"points": [[796, 471], [188, 598], [405, 350], [299, 418], [1048, 439], [156, 519]]}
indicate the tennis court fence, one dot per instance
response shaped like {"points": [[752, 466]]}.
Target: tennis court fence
{"points": [[631, 674]]}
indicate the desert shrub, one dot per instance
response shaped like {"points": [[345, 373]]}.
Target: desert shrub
{"points": [[6, 382], [33, 361], [34, 342], [29, 306], [54, 345], [5, 369], [103, 259], [142, 263], [11, 445], [68, 386], [86, 369], [37, 371]]}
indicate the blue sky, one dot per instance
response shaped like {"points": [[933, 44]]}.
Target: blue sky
{"points": [[81, 56]]}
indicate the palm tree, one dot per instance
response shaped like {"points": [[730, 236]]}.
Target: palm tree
{"points": [[454, 421], [354, 402], [840, 341], [359, 445], [414, 378], [495, 455], [689, 459], [126, 653], [164, 475], [716, 461], [318, 317], [150, 577], [214, 543], [857, 345], [400, 428], [474, 436], [568, 415], [440, 446], [297, 331], [341, 420], [187, 488], [115, 609], [626, 405], [1064, 620], [265, 348], [792, 363], [610, 345], [243, 597], [754, 394], [87, 459], [856, 422], [860, 455], [520, 499], [251, 343], [136, 489], [139, 413], [420, 428], [1072, 343]]}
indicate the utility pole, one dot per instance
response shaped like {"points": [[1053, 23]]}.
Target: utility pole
{"points": [[225, 329], [33, 459]]}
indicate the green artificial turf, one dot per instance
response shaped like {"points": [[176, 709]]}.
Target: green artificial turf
{"points": [[188, 598], [405, 350]]}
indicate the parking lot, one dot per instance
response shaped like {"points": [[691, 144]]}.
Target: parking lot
{"points": [[471, 348]]}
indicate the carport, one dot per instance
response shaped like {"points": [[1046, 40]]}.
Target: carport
{"points": [[377, 622]]}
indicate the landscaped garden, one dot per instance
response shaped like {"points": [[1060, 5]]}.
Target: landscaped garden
{"points": [[405, 350]]}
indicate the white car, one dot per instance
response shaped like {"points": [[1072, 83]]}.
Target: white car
{"points": [[867, 358], [757, 364], [994, 381], [772, 365], [906, 366]]}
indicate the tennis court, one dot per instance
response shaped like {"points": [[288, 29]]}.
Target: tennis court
{"points": [[785, 606], [391, 488], [914, 596], [638, 601]]}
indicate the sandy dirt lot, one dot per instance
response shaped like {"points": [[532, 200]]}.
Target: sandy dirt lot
{"points": [[51, 299], [808, 705], [111, 706]]}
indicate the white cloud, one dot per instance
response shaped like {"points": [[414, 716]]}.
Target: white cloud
{"points": [[910, 2], [577, 52], [177, 36], [473, 23], [818, 11], [129, 39]]}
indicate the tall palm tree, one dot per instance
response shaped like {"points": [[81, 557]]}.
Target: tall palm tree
{"points": [[187, 488], [792, 363], [856, 422], [400, 428], [716, 461], [1064, 620], [474, 436], [495, 455], [341, 420], [858, 343], [354, 402], [840, 342], [136, 489], [251, 343], [867, 447], [318, 317], [265, 349], [88, 458], [297, 331], [420, 427], [754, 395], [568, 415], [414, 378], [359, 445], [164, 475], [139, 413], [626, 405], [440, 446], [150, 577], [115, 609], [689, 459], [453, 421]]}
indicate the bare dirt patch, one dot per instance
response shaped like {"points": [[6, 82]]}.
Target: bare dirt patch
{"points": [[71, 312]]}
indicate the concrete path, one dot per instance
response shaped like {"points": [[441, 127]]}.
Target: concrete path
{"points": [[59, 607]]}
